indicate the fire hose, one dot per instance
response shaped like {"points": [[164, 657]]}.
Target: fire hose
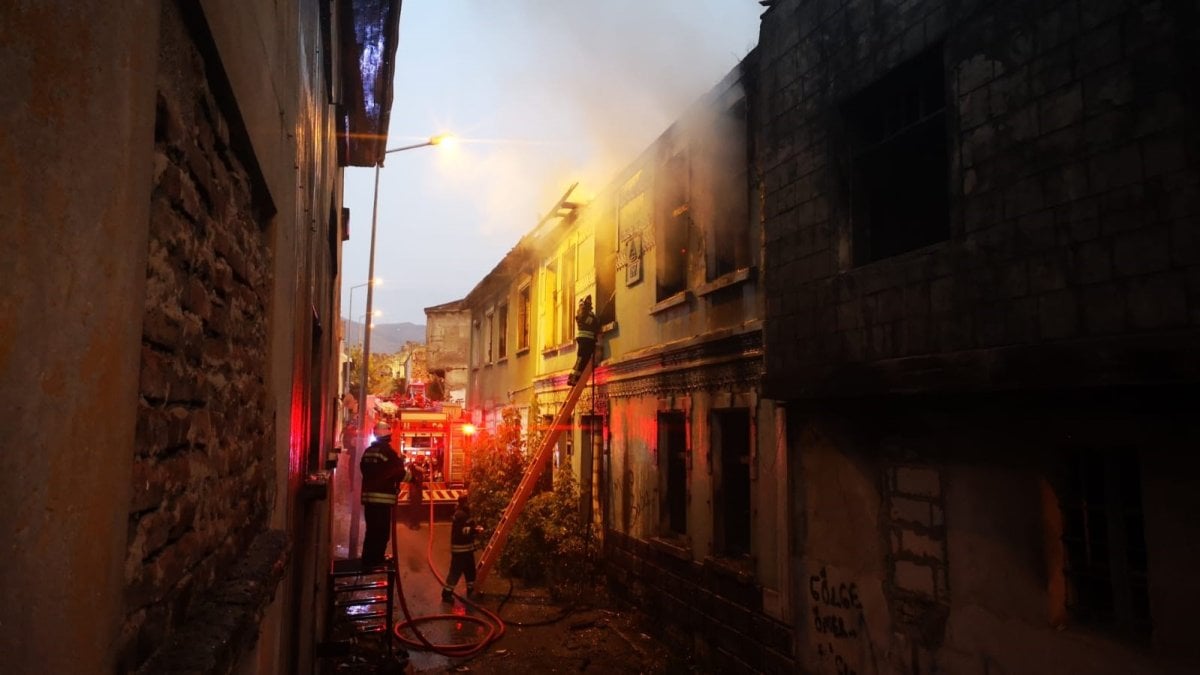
{"points": [[490, 621]]}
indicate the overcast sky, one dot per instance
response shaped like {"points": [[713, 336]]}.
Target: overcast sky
{"points": [[542, 93]]}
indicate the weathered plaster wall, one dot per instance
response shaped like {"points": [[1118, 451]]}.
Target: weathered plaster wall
{"points": [[76, 135], [930, 537], [448, 344]]}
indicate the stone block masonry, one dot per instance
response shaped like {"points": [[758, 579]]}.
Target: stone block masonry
{"points": [[1073, 178], [203, 475]]}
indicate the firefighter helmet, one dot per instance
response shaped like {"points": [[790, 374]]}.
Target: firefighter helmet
{"points": [[382, 429]]}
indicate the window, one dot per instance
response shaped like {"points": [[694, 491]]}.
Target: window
{"points": [[731, 463], [548, 305], [566, 296], [671, 228], [523, 318], [502, 331], [591, 440], [491, 335], [477, 343], [1104, 541], [899, 195], [546, 480], [672, 450], [729, 245]]}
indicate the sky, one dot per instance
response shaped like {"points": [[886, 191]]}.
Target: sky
{"points": [[539, 94]]}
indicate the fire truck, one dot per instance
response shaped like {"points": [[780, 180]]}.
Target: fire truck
{"points": [[433, 438]]}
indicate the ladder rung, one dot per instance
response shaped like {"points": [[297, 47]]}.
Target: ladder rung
{"points": [[365, 586], [364, 615], [353, 602], [533, 473]]}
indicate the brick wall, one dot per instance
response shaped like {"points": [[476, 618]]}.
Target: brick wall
{"points": [[203, 474], [1074, 185], [703, 610]]}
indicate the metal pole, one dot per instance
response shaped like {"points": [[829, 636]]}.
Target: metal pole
{"points": [[355, 505], [350, 321]]}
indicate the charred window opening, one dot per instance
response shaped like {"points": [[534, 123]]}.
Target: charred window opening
{"points": [[731, 448], [477, 343], [523, 318], [729, 247], [899, 192], [489, 319], [671, 229], [1104, 541], [502, 331], [672, 450]]}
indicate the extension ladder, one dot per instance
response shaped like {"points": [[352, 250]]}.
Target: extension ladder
{"points": [[532, 474]]}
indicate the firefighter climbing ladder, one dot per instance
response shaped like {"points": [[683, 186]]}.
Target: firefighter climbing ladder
{"points": [[532, 473]]}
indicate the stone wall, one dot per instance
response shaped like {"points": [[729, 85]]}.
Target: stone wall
{"points": [[1074, 188], [203, 475]]}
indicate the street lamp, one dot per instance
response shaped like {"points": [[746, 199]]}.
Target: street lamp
{"points": [[354, 288], [355, 507]]}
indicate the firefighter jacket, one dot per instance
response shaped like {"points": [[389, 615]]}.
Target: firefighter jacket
{"points": [[585, 324], [382, 472], [462, 532]]}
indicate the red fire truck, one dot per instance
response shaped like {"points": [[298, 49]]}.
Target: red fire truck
{"points": [[433, 438]]}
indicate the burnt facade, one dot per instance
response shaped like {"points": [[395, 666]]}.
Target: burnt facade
{"points": [[981, 264]]}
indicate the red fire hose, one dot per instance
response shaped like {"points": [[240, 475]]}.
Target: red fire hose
{"points": [[492, 622]]}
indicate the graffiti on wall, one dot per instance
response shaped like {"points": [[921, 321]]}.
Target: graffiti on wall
{"points": [[838, 622]]}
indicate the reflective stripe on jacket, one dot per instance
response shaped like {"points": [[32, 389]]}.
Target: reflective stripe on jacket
{"points": [[585, 326], [382, 471]]}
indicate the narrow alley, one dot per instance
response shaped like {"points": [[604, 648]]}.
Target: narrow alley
{"points": [[831, 337]]}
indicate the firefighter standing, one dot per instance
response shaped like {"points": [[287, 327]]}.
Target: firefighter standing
{"points": [[585, 338], [382, 472], [462, 550]]}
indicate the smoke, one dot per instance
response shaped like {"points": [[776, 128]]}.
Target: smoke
{"points": [[584, 87]]}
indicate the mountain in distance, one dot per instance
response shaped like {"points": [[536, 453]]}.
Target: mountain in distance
{"points": [[386, 338]]}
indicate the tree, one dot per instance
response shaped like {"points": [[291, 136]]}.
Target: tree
{"points": [[381, 380]]}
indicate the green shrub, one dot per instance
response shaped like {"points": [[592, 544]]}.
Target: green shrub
{"points": [[550, 542]]}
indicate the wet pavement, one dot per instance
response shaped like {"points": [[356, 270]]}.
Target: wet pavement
{"points": [[538, 634]]}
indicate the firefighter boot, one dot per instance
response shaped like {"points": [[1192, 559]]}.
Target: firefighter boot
{"points": [[447, 595]]}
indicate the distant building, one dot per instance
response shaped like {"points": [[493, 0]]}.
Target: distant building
{"points": [[447, 345]]}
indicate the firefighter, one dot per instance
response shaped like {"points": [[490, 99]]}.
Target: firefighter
{"points": [[585, 338], [462, 550], [382, 472]]}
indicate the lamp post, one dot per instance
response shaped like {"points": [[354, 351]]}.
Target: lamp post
{"points": [[355, 506], [355, 288]]}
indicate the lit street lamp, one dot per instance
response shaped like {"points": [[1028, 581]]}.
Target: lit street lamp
{"points": [[355, 507]]}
